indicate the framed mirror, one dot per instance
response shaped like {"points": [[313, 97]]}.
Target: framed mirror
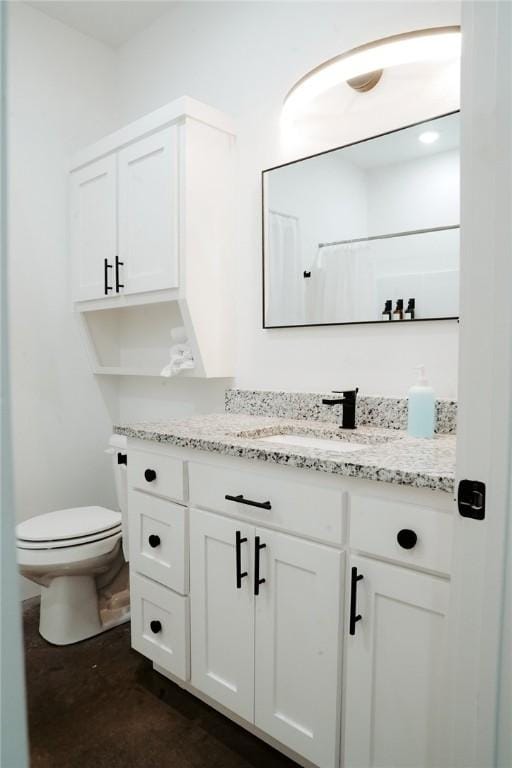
{"points": [[365, 233]]}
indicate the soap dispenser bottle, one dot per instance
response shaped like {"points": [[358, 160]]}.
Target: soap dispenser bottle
{"points": [[421, 407]]}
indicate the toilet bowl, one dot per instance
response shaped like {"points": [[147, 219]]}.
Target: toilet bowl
{"points": [[76, 555]]}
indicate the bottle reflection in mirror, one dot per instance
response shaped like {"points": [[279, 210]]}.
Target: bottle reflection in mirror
{"points": [[411, 310]]}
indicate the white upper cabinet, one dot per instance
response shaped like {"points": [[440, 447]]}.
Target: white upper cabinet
{"points": [[152, 222], [148, 212], [94, 228]]}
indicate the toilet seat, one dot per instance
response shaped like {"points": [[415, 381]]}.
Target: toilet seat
{"points": [[64, 558], [67, 543], [68, 528]]}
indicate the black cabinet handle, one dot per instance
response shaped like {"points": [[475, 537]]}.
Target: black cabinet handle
{"points": [[150, 475], [118, 264], [156, 626], [407, 538], [122, 458], [154, 540], [106, 267], [240, 499], [257, 549], [239, 575], [354, 616]]}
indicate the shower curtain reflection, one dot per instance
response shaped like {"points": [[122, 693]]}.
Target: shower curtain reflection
{"points": [[285, 281], [342, 288]]}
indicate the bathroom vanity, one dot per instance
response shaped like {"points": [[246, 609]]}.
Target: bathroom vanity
{"points": [[302, 588]]}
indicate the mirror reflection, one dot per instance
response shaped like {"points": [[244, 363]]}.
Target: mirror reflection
{"points": [[367, 232]]}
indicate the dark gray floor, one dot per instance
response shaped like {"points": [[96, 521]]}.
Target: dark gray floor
{"points": [[98, 704]]}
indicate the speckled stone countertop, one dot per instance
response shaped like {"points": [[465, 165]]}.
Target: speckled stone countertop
{"points": [[389, 455]]}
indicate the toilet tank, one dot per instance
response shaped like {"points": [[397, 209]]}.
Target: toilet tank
{"points": [[118, 450]]}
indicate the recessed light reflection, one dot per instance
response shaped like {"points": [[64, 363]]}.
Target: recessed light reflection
{"points": [[428, 137]]}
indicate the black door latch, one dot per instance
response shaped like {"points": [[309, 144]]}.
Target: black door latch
{"points": [[471, 499]]}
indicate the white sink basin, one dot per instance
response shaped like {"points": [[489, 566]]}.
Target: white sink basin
{"points": [[320, 443]]}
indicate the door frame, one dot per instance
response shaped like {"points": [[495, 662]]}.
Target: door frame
{"points": [[485, 382]]}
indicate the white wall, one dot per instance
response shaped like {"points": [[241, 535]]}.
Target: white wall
{"points": [[243, 57], [59, 98]]}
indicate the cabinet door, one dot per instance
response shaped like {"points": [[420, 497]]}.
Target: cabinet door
{"points": [[93, 229], [297, 654], [222, 615], [148, 213], [394, 668]]}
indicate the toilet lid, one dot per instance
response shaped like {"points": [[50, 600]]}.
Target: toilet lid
{"points": [[68, 524]]}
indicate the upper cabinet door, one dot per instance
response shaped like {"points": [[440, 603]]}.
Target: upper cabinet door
{"points": [[148, 213], [394, 673], [222, 613], [297, 665], [94, 229]]}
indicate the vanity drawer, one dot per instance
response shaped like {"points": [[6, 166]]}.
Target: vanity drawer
{"points": [[160, 625], [387, 528], [156, 473], [158, 539], [297, 506]]}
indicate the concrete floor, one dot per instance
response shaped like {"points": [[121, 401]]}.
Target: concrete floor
{"points": [[98, 704]]}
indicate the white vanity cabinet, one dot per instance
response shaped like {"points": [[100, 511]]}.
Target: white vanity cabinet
{"points": [[297, 645], [222, 620], [394, 667], [265, 628], [268, 620]]}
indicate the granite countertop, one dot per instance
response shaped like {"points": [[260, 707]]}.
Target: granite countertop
{"points": [[389, 455]]}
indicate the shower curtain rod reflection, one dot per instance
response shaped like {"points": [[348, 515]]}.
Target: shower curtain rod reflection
{"points": [[387, 237]]}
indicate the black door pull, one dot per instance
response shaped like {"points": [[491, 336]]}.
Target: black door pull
{"points": [[354, 616], [154, 540], [150, 475], [239, 574], [118, 283], [240, 499], [106, 267], [257, 549]]}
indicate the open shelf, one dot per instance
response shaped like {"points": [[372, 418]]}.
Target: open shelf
{"points": [[134, 340]]}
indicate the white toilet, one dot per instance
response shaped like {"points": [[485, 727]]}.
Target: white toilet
{"points": [[76, 555]]}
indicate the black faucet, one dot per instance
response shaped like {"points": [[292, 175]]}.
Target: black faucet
{"points": [[348, 401]]}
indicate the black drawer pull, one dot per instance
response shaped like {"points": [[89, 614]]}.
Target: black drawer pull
{"points": [[154, 540], [156, 626], [240, 499], [354, 616], [407, 538], [257, 549], [150, 475], [239, 575], [122, 458]]}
